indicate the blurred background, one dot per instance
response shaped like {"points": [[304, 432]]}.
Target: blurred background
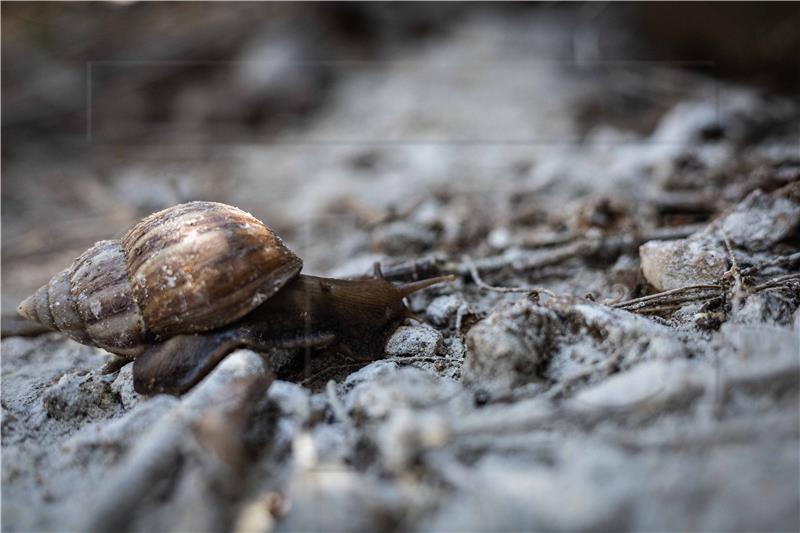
{"points": [[322, 119]]}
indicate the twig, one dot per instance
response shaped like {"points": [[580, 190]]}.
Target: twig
{"points": [[734, 264], [672, 296], [776, 281], [532, 259], [393, 213], [737, 296], [417, 359], [777, 261], [667, 308], [206, 428], [668, 300], [473, 270], [417, 268]]}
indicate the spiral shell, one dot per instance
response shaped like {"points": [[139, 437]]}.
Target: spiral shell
{"points": [[190, 268], [102, 311]]}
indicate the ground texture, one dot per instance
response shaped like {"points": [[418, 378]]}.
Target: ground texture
{"points": [[620, 349]]}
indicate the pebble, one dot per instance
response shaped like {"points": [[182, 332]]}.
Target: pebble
{"points": [[760, 221], [414, 341], [123, 387], [679, 263], [509, 347], [442, 308], [756, 224]]}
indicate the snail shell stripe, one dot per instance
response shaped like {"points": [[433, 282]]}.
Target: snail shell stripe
{"points": [[92, 302], [202, 265], [190, 268]]}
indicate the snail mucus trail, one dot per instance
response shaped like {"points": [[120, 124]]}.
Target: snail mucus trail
{"points": [[188, 285]]}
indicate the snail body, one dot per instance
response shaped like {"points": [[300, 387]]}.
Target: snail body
{"points": [[187, 285]]}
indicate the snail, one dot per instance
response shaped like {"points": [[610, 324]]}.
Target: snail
{"points": [[188, 285]]}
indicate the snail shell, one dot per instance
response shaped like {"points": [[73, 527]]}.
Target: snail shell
{"points": [[190, 268]]}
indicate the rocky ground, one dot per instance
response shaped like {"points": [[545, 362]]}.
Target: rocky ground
{"points": [[620, 348]]}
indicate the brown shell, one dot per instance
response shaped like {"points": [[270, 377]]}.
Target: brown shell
{"points": [[92, 302], [190, 268], [201, 265]]}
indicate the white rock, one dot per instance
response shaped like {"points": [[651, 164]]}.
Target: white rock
{"points": [[414, 341], [679, 263], [442, 308]]}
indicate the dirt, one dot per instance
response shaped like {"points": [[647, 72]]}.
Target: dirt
{"points": [[620, 348]]}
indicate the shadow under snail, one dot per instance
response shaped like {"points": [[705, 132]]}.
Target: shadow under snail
{"points": [[186, 286]]}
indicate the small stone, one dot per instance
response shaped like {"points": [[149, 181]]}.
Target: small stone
{"points": [[441, 309], [757, 223], [414, 341], [123, 387], [674, 264], [761, 220], [509, 347]]}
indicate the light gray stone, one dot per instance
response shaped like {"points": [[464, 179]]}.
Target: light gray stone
{"points": [[443, 308], [679, 263], [761, 220], [510, 347], [414, 341]]}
